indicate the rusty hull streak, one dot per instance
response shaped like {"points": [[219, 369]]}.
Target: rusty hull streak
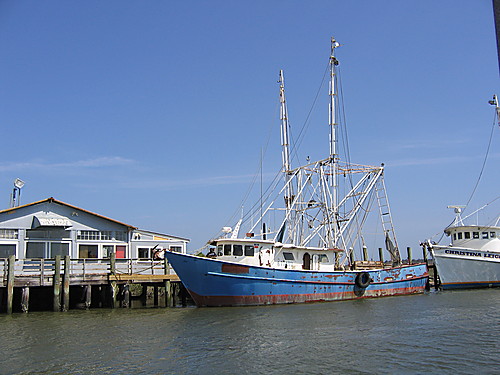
{"points": [[235, 269]]}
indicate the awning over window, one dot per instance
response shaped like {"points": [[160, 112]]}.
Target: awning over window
{"points": [[50, 222]]}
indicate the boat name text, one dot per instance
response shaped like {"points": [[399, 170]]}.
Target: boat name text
{"points": [[472, 254]]}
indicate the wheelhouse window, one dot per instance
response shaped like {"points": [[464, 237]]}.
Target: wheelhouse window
{"points": [[492, 234], [176, 249], [249, 250], [323, 258], [288, 256], [237, 250], [454, 236], [219, 250], [459, 235], [475, 235], [484, 235], [227, 249], [466, 235]]}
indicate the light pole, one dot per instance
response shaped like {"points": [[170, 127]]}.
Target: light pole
{"points": [[16, 192]]}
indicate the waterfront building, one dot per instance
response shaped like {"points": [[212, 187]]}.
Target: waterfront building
{"points": [[50, 227]]}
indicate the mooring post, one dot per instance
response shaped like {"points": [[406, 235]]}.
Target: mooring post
{"points": [[126, 296], [168, 294], [408, 249], [88, 296], [381, 255], [365, 253], [25, 299], [10, 283], [168, 287], [57, 284], [351, 256], [65, 305], [425, 254], [144, 295], [155, 295]]}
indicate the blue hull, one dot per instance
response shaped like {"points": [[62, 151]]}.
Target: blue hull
{"points": [[212, 282]]}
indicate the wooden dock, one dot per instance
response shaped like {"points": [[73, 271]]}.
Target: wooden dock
{"points": [[61, 284]]}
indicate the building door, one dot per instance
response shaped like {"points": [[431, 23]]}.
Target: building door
{"points": [[120, 251], [306, 262]]}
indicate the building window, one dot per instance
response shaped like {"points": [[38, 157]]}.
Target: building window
{"points": [[35, 250], [176, 249], [106, 235], [87, 251], [7, 250], [122, 236], [95, 235], [59, 248], [143, 252], [107, 250], [9, 234]]}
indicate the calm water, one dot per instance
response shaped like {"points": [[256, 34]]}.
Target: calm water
{"points": [[444, 332]]}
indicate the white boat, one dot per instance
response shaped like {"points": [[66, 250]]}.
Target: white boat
{"points": [[472, 259], [302, 234]]}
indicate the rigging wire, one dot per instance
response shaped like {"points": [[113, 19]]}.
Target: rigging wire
{"points": [[484, 163], [479, 177]]}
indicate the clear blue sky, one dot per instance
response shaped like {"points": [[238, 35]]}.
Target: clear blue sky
{"points": [[154, 113]]}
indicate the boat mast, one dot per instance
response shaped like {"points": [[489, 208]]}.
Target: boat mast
{"points": [[285, 142], [333, 140]]}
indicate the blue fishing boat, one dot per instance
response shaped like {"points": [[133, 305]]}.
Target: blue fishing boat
{"points": [[302, 236]]}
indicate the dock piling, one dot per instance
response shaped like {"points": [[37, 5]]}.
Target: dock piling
{"points": [[66, 276], [408, 249], [25, 299], [10, 283], [57, 284]]}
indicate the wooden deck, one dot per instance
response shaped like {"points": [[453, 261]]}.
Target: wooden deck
{"points": [[110, 277]]}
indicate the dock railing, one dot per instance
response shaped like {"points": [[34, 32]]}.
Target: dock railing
{"points": [[40, 272]]}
